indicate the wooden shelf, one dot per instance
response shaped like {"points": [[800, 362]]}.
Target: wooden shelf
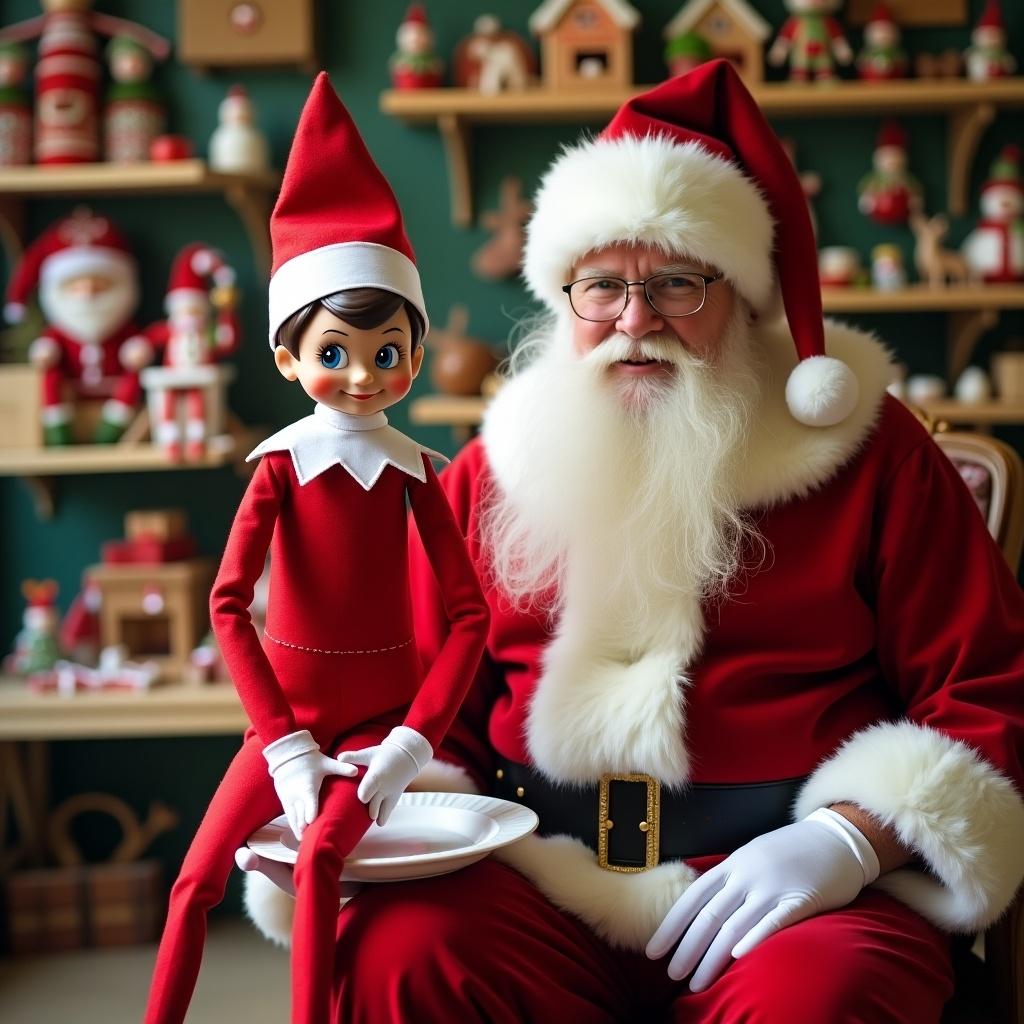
{"points": [[981, 413], [251, 195], [447, 411], [971, 106], [921, 299], [172, 709]]}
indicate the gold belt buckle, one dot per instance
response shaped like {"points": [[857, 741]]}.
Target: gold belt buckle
{"points": [[650, 825]]}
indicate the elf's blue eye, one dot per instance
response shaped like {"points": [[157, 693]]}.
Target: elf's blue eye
{"points": [[333, 357], [388, 357]]}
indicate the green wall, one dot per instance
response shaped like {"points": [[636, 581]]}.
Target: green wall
{"points": [[355, 40]]}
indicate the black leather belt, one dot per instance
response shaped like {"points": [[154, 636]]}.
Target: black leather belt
{"points": [[633, 823]]}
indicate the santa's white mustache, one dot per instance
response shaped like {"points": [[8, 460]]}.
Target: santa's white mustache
{"points": [[617, 348]]}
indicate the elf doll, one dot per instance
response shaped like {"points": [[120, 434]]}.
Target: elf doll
{"points": [[336, 669]]}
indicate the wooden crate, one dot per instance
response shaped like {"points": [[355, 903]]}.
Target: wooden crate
{"points": [[225, 33], [157, 523], [46, 910], [20, 400]]}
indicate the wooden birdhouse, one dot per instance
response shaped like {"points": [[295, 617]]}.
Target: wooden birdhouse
{"points": [[246, 33], [586, 44], [732, 28]]}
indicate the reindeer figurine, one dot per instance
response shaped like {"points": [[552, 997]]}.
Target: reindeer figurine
{"points": [[935, 264], [501, 256]]}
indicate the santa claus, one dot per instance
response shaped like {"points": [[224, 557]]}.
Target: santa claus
{"points": [[201, 329], [88, 291], [725, 663]]}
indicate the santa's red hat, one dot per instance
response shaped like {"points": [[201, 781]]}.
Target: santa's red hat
{"points": [[992, 16], [193, 269], [693, 168], [336, 224], [80, 244]]}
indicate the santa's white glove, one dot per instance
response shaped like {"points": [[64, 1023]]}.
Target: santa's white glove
{"points": [[795, 872], [298, 768], [390, 767]]}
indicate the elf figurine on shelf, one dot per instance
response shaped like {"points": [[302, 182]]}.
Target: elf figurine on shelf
{"points": [[994, 250], [882, 58], [415, 65], [812, 40], [987, 57], [335, 680], [889, 193]]}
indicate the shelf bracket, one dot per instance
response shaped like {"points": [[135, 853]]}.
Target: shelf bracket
{"points": [[965, 130], [253, 208], [455, 134], [965, 331], [44, 495]]}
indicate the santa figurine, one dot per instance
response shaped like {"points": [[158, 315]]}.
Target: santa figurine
{"points": [[994, 250], [987, 57], [812, 40], [90, 348], [68, 75], [15, 107], [889, 193], [882, 57], [334, 681], [200, 330], [414, 64]]}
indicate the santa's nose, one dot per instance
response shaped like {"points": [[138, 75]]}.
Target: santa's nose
{"points": [[639, 317]]}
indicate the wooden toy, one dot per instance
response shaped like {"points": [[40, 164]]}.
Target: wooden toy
{"points": [[936, 265], [811, 40], [502, 255], [729, 28], [882, 57], [889, 193], [247, 33], [459, 363], [586, 44]]}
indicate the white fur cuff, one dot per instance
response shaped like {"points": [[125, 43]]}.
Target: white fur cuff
{"points": [[962, 816]]}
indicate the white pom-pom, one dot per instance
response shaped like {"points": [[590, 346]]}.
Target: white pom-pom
{"points": [[270, 909], [821, 391], [203, 261], [44, 352]]}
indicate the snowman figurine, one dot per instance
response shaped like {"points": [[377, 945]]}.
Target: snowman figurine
{"points": [[237, 145], [994, 250], [987, 57]]}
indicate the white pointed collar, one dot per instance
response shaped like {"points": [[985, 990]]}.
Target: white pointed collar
{"points": [[362, 445]]}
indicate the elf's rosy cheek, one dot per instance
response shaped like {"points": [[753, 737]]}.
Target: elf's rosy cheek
{"points": [[321, 386]]}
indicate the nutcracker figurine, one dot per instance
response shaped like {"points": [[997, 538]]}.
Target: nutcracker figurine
{"points": [[882, 57], [88, 292], [201, 328], [68, 75], [15, 107], [987, 57], [134, 114], [415, 65], [812, 40], [889, 193], [335, 668], [994, 250]]}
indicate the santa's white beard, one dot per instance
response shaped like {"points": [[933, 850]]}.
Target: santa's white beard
{"points": [[90, 319], [623, 511]]}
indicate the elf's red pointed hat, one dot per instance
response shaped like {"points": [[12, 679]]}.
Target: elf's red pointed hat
{"points": [[336, 224], [693, 168]]}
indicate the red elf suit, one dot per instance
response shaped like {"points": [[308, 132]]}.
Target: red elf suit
{"points": [[336, 667]]}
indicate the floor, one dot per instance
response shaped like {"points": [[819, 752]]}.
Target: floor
{"points": [[244, 978]]}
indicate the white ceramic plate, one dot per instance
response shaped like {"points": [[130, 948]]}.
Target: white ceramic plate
{"points": [[427, 834]]}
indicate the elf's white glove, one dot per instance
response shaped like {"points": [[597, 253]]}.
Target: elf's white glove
{"points": [[775, 880], [298, 768], [390, 767]]}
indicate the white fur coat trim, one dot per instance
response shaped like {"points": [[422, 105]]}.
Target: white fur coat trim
{"points": [[947, 803]]}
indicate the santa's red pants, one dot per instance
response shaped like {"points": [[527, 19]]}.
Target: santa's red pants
{"points": [[245, 801], [483, 945]]}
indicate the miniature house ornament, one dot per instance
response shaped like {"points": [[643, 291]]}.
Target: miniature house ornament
{"points": [[889, 192], [987, 57], [134, 115], [15, 107], [237, 145], [493, 59], [414, 64], [994, 250], [586, 44], [882, 58], [812, 40], [728, 28]]}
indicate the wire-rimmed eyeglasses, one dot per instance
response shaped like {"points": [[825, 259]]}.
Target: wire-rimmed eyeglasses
{"points": [[603, 297]]}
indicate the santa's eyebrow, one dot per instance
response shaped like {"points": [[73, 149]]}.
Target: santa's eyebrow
{"points": [[669, 268]]}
